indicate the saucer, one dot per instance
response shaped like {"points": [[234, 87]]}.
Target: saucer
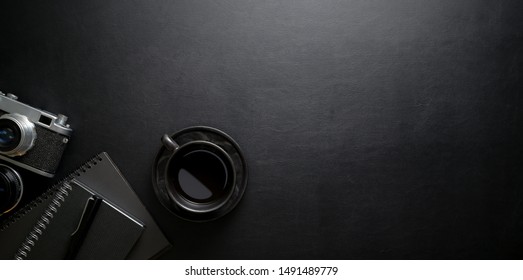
{"points": [[217, 137]]}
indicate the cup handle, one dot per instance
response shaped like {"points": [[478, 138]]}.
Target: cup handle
{"points": [[169, 143]]}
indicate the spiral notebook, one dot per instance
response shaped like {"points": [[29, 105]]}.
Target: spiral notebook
{"points": [[51, 226]]}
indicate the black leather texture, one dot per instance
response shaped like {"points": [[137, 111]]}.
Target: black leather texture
{"points": [[372, 129]]}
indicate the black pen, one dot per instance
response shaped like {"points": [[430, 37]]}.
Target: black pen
{"points": [[77, 237]]}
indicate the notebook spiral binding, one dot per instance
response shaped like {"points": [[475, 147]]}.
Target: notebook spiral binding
{"points": [[43, 222], [50, 192], [60, 191]]}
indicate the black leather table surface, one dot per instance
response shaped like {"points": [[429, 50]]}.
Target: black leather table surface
{"points": [[372, 129]]}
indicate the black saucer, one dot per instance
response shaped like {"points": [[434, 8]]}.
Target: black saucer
{"points": [[164, 191]]}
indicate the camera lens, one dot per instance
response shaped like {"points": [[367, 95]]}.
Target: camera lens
{"points": [[7, 137], [11, 188], [17, 134]]}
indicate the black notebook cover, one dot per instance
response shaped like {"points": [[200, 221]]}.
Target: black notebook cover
{"points": [[101, 177], [111, 234]]}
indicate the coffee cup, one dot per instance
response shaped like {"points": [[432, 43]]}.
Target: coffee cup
{"points": [[200, 175]]}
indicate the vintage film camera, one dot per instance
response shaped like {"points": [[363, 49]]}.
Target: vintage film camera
{"points": [[30, 138]]}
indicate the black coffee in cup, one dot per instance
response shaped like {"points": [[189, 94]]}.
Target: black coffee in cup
{"points": [[200, 176]]}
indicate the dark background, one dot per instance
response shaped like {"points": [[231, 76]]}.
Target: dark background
{"points": [[373, 129]]}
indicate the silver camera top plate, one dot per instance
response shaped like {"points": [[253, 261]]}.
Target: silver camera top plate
{"points": [[56, 123]]}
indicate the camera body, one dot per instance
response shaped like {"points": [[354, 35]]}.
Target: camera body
{"points": [[31, 138]]}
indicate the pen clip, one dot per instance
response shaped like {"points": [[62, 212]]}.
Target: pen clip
{"points": [[78, 236]]}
